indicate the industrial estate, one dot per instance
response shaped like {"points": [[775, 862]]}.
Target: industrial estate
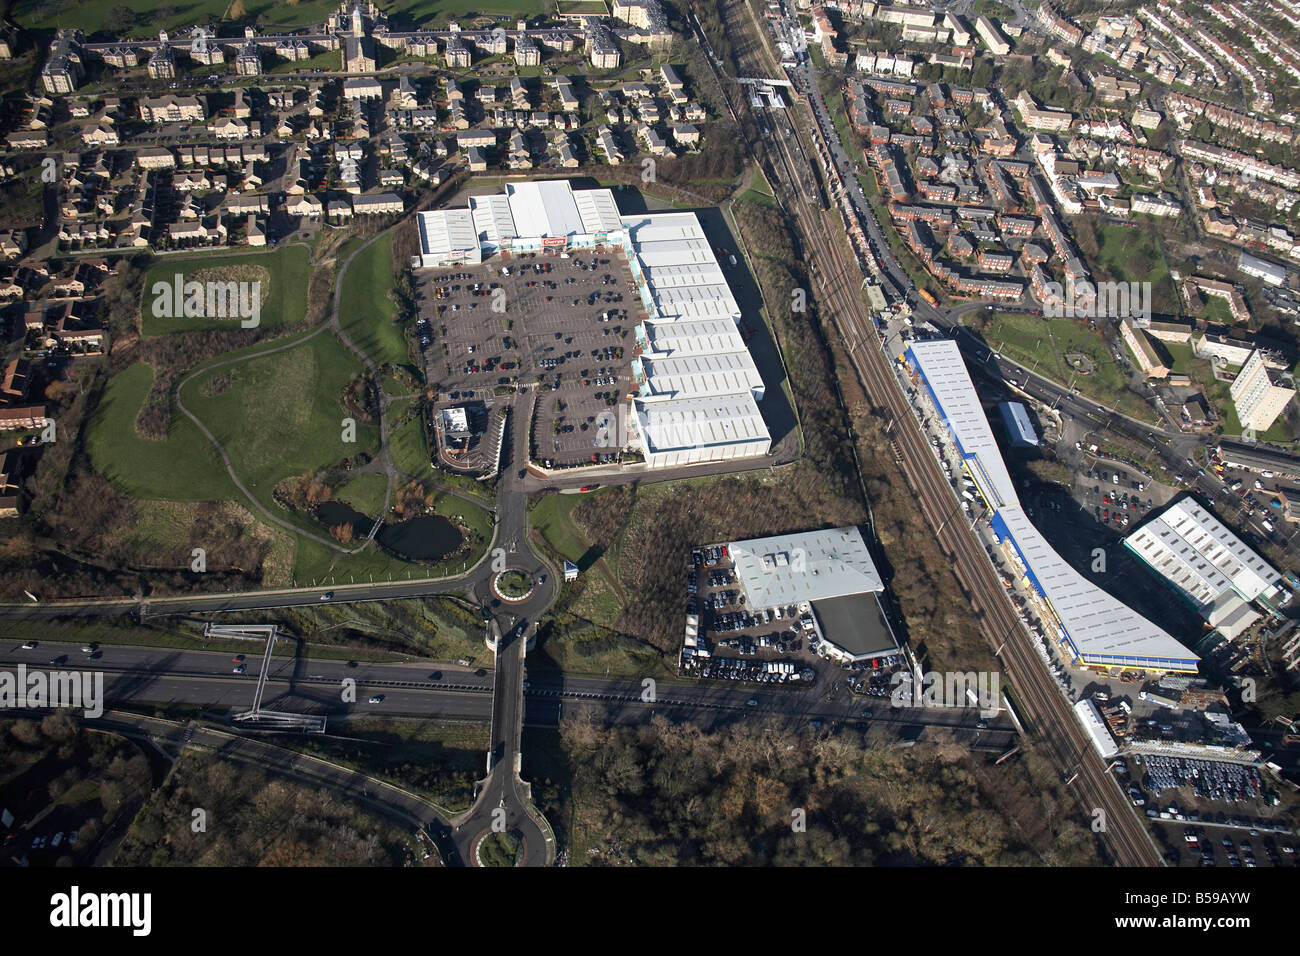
{"points": [[602, 433]]}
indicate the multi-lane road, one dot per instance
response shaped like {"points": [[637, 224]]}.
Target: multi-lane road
{"points": [[171, 676]]}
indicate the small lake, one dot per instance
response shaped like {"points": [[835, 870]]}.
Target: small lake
{"points": [[334, 513], [426, 538]]}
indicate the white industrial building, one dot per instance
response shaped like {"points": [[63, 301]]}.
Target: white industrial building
{"points": [[1213, 569], [1090, 625], [724, 373], [827, 575], [699, 387], [696, 429], [1096, 728], [447, 236]]}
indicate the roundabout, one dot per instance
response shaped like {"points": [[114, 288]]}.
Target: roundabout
{"points": [[514, 585], [498, 849]]}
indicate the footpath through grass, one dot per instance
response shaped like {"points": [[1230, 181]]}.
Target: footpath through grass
{"points": [[366, 308]]}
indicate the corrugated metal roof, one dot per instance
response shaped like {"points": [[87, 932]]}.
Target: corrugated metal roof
{"points": [[693, 337], [1101, 628], [701, 374], [544, 208], [443, 231], [807, 566], [597, 210], [493, 218], [1191, 549], [941, 364], [671, 423]]}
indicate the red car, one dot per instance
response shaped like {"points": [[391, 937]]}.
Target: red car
{"points": [[588, 487]]}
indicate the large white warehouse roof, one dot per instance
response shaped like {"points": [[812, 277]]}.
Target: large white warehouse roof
{"points": [[944, 371], [687, 337], [711, 374], [808, 566], [1191, 549], [701, 424], [448, 235], [1100, 628], [544, 208]]}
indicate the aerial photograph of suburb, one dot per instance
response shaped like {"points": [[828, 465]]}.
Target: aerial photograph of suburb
{"points": [[708, 434]]}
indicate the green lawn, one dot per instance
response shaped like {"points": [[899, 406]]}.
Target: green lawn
{"points": [[406, 441], [93, 15], [365, 493], [759, 190], [185, 467], [1041, 345], [594, 8], [551, 518], [476, 517], [423, 11], [329, 60], [279, 414], [284, 275], [1133, 254], [366, 309]]}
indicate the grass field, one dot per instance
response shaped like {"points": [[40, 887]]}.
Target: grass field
{"points": [[759, 190], [406, 441], [1041, 345], [366, 310], [93, 15], [552, 518], [1132, 254], [329, 60], [365, 493], [279, 414], [185, 467], [284, 275]]}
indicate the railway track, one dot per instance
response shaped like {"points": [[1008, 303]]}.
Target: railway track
{"points": [[1106, 809]]}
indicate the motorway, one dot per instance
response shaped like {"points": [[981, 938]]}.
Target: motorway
{"points": [[1125, 836], [169, 676]]}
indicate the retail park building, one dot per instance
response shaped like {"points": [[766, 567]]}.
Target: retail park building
{"points": [[697, 387]]}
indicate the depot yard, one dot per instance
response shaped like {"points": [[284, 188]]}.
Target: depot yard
{"points": [[535, 320], [778, 645]]}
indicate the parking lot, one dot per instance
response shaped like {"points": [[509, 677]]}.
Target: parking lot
{"points": [[1178, 795], [1115, 498], [777, 645], [562, 323], [742, 644]]}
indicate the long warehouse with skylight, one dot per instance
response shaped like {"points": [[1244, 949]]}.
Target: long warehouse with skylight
{"points": [[1095, 628]]}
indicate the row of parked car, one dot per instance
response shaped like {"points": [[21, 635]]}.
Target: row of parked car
{"points": [[758, 672], [708, 557], [1210, 779]]}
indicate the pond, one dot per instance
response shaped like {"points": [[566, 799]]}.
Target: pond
{"points": [[426, 538], [334, 513]]}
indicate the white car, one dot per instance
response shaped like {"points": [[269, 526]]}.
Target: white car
{"points": [[377, 699]]}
